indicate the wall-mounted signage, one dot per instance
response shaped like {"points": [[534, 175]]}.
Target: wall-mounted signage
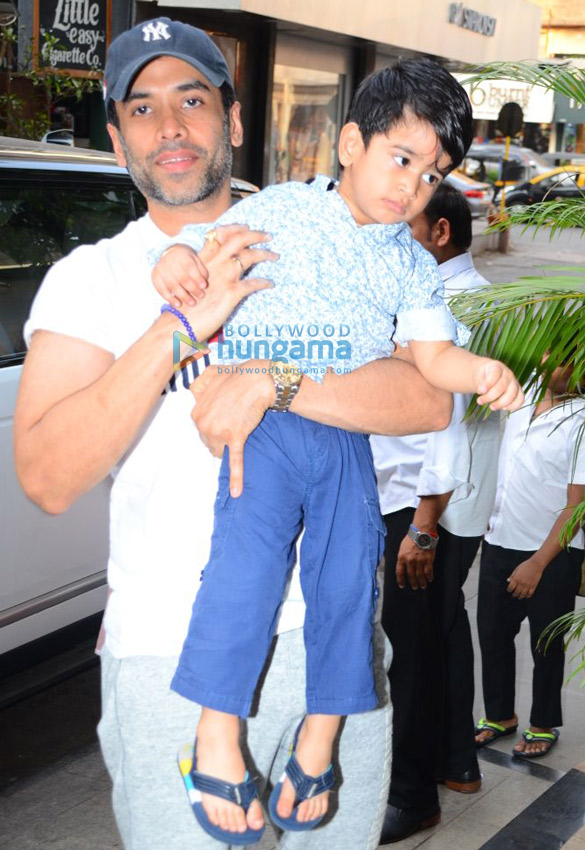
{"points": [[488, 97], [469, 19], [82, 32]]}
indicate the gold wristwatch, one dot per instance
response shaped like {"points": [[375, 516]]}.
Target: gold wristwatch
{"points": [[287, 381]]}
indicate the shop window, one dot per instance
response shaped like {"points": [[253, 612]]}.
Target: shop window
{"points": [[305, 123]]}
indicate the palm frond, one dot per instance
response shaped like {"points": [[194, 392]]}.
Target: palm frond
{"points": [[520, 322], [556, 215], [576, 521], [571, 627], [568, 81]]}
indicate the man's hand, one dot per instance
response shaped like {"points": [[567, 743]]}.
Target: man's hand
{"points": [[525, 578], [226, 257], [497, 386], [415, 563], [230, 403]]}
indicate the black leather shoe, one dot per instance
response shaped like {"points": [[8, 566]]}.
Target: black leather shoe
{"points": [[400, 823], [468, 782]]}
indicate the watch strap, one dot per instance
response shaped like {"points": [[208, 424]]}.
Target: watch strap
{"points": [[284, 396], [415, 535]]}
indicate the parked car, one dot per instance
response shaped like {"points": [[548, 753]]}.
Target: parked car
{"points": [[52, 199], [565, 182], [479, 195], [485, 162]]}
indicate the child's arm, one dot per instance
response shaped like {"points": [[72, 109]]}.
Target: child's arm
{"points": [[448, 367], [525, 578]]}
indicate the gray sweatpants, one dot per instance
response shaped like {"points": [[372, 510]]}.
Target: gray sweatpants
{"points": [[144, 723]]}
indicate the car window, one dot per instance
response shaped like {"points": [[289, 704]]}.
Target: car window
{"points": [[39, 224], [566, 181]]}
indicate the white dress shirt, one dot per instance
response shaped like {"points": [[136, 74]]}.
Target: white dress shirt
{"points": [[462, 458], [538, 459]]}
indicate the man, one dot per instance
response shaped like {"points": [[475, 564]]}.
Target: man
{"points": [[99, 395], [432, 539]]}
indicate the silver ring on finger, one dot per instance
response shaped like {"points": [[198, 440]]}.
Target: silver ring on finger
{"points": [[237, 259]]}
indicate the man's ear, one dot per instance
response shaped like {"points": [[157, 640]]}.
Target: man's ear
{"points": [[114, 134], [236, 128], [442, 233], [350, 143]]}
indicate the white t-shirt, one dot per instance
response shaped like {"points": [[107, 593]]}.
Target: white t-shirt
{"points": [[462, 458], [538, 459], [163, 492]]}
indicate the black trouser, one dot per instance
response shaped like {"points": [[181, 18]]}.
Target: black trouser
{"points": [[499, 617], [431, 677]]}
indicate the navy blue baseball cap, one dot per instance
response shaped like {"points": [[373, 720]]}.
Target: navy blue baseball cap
{"points": [[136, 47]]}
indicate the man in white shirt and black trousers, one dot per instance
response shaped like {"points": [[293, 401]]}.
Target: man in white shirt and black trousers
{"points": [[436, 493]]}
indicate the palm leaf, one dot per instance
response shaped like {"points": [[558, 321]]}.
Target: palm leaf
{"points": [[571, 627], [520, 322], [557, 215], [568, 81]]}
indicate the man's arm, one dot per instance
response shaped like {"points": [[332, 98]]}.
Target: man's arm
{"points": [[78, 409], [387, 396], [525, 579], [412, 561]]}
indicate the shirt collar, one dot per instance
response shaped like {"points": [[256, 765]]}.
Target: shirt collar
{"points": [[456, 265]]}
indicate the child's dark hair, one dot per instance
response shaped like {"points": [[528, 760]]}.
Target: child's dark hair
{"points": [[424, 88], [448, 202]]}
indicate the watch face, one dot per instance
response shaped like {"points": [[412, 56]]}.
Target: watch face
{"points": [[286, 374], [424, 541]]}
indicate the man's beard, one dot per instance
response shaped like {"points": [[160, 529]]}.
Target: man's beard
{"points": [[213, 178]]}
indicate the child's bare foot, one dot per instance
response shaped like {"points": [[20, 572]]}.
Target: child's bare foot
{"points": [[313, 752], [219, 755]]}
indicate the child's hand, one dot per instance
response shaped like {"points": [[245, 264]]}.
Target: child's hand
{"points": [[180, 276], [524, 580], [497, 386]]}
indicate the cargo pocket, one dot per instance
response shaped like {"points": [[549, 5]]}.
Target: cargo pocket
{"points": [[376, 536]]}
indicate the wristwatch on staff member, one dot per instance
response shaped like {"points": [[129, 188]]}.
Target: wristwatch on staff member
{"points": [[422, 539], [287, 382]]}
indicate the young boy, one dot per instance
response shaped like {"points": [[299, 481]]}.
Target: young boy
{"points": [[525, 570], [347, 260]]}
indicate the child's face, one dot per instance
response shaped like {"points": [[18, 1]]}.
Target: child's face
{"points": [[394, 178]]}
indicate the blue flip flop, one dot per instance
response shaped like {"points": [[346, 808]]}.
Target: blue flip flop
{"points": [[305, 787], [241, 794]]}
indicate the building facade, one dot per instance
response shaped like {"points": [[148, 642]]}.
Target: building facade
{"points": [[296, 63]]}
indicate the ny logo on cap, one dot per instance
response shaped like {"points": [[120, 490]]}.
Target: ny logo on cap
{"points": [[155, 30]]}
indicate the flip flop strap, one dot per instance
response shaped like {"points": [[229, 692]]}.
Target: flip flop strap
{"points": [[484, 723], [537, 736], [308, 786], [241, 794]]}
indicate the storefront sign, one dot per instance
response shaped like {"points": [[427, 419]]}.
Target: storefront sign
{"points": [[82, 30], [469, 19], [488, 97]]}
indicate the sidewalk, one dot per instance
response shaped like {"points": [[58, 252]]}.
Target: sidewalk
{"points": [[67, 806]]}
